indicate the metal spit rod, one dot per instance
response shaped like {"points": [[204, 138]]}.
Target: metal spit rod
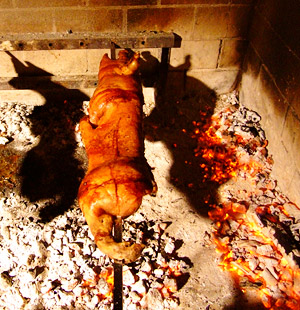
{"points": [[118, 269], [117, 229], [117, 233]]}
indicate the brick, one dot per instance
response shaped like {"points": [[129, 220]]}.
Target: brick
{"points": [[178, 20], [252, 63], [27, 21], [263, 43], [232, 53], [250, 80], [239, 21], [64, 62], [7, 68], [6, 24], [48, 3], [258, 92], [243, 1], [28, 97], [194, 1], [200, 82], [280, 61], [70, 20], [32, 97], [211, 22], [291, 136], [293, 188], [272, 105], [102, 20], [93, 60], [220, 81], [295, 100], [203, 55], [263, 97], [149, 66], [247, 90], [120, 2], [6, 3], [284, 19], [284, 171]]}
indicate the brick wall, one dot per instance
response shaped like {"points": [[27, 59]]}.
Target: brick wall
{"points": [[214, 41], [271, 85], [213, 34]]}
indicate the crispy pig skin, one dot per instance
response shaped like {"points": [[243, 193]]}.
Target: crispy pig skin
{"points": [[118, 174]]}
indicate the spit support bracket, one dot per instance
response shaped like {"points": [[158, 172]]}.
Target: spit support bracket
{"points": [[87, 40], [164, 41], [72, 41]]}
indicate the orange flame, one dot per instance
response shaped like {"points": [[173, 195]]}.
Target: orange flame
{"points": [[222, 158], [108, 276]]}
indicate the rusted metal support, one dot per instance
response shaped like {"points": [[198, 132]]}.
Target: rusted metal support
{"points": [[66, 41], [165, 54], [69, 41], [112, 50]]}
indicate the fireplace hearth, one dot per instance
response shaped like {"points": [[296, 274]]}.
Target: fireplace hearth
{"points": [[222, 237], [221, 121]]}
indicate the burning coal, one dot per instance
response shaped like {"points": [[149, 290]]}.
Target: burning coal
{"points": [[255, 230]]}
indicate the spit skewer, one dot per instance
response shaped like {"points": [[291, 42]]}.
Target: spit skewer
{"points": [[117, 233], [118, 269]]}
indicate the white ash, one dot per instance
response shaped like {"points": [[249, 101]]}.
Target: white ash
{"points": [[152, 268], [15, 124], [56, 259], [56, 265]]}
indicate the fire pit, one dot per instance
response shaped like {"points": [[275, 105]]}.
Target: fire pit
{"points": [[216, 192]]}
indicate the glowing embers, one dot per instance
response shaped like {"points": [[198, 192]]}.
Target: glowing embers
{"points": [[251, 250], [222, 151], [9, 165], [252, 225], [102, 284]]}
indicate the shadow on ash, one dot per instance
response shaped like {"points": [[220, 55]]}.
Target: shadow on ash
{"points": [[218, 235]]}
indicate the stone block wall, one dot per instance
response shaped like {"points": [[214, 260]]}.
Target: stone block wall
{"points": [[271, 85], [213, 34]]}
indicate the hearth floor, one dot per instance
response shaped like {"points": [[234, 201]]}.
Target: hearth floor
{"points": [[46, 250]]}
